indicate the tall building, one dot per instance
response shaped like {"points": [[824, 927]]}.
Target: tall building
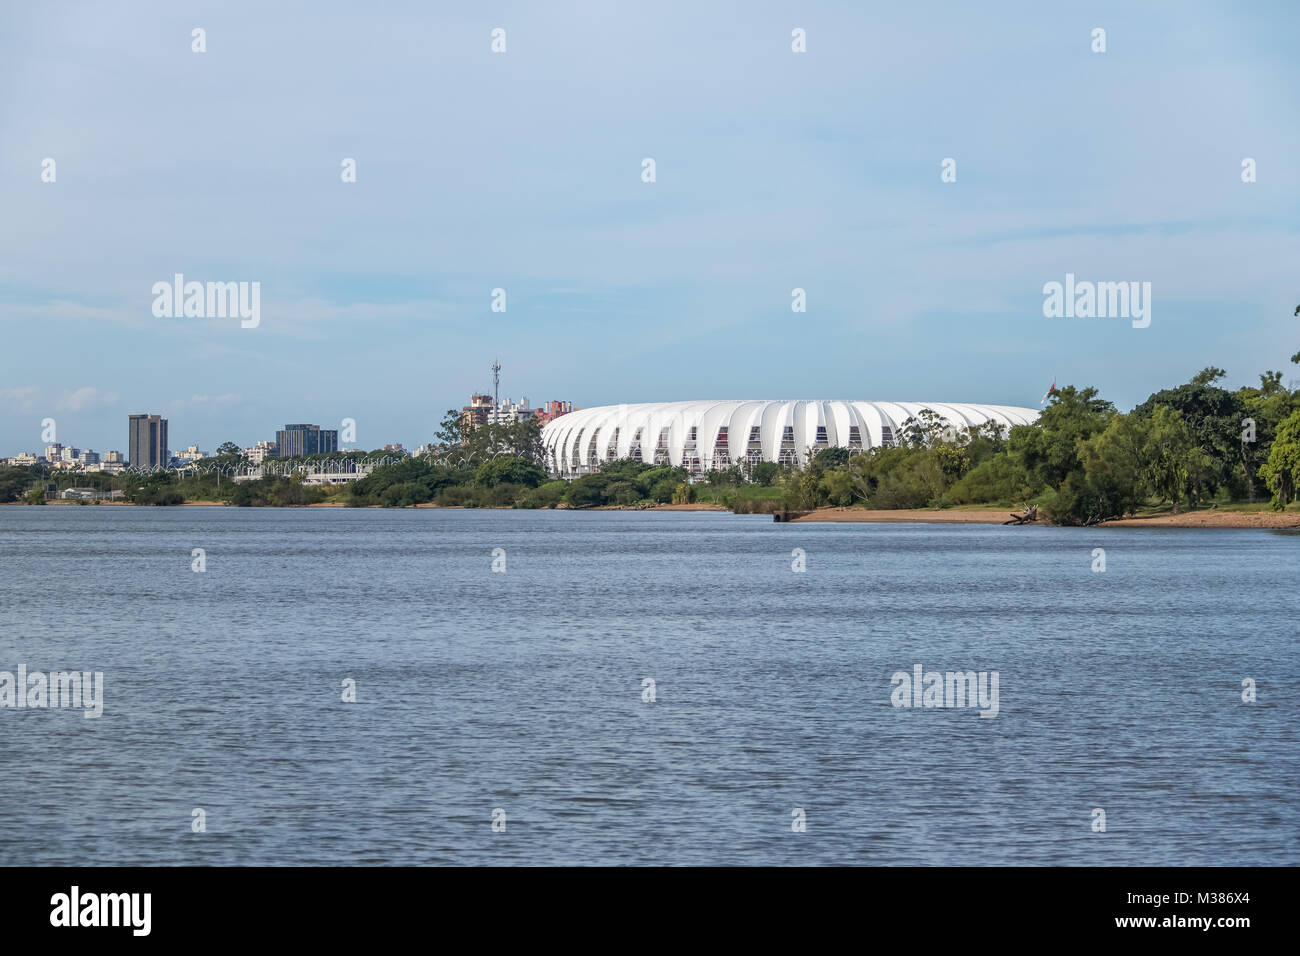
{"points": [[476, 412], [147, 441], [295, 441]]}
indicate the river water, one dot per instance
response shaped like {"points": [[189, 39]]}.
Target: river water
{"points": [[521, 694]]}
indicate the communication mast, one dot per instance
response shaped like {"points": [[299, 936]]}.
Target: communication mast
{"points": [[496, 384]]}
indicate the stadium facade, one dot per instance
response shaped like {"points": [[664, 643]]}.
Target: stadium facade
{"points": [[701, 436]]}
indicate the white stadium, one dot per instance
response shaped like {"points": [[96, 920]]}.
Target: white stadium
{"points": [[701, 436]]}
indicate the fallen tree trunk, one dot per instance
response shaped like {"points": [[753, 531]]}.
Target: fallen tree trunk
{"points": [[1030, 515]]}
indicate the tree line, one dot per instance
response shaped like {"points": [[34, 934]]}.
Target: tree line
{"points": [[1081, 462]]}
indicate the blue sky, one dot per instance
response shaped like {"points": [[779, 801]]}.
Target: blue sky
{"points": [[521, 170]]}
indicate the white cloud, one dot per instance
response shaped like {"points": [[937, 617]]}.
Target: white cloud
{"points": [[197, 401], [23, 398], [84, 398]]}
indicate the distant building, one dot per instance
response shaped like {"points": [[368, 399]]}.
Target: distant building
{"points": [[553, 410], [53, 452], [703, 436], [397, 449], [88, 457], [295, 441], [25, 459], [147, 441], [113, 457], [260, 452], [509, 411], [476, 412], [192, 453], [89, 494]]}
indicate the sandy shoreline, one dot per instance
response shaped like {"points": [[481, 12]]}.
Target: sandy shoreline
{"points": [[1193, 519]]}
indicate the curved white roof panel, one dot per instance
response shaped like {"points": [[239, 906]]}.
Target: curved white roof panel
{"points": [[705, 435]]}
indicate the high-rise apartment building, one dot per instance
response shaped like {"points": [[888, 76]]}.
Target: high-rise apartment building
{"points": [[147, 441], [294, 441]]}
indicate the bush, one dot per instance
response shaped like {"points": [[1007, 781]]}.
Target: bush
{"points": [[404, 495], [547, 496], [1000, 480], [588, 491], [662, 492], [503, 495], [456, 496], [622, 493]]}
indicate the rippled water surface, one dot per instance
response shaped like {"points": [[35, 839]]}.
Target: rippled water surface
{"points": [[523, 690]]}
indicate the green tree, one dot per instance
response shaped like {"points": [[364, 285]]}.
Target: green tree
{"points": [[1214, 416], [832, 457], [588, 491], [229, 448], [450, 436], [509, 469], [1049, 449], [924, 430], [1174, 463], [622, 493], [517, 439], [662, 491], [545, 496], [1001, 479], [1296, 357], [13, 483], [1267, 406], [1282, 470]]}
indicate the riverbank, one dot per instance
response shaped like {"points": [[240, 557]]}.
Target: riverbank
{"points": [[1211, 518]]}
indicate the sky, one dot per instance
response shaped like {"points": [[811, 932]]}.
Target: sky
{"points": [[522, 170]]}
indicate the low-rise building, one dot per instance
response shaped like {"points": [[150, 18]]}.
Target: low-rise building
{"points": [[89, 494]]}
